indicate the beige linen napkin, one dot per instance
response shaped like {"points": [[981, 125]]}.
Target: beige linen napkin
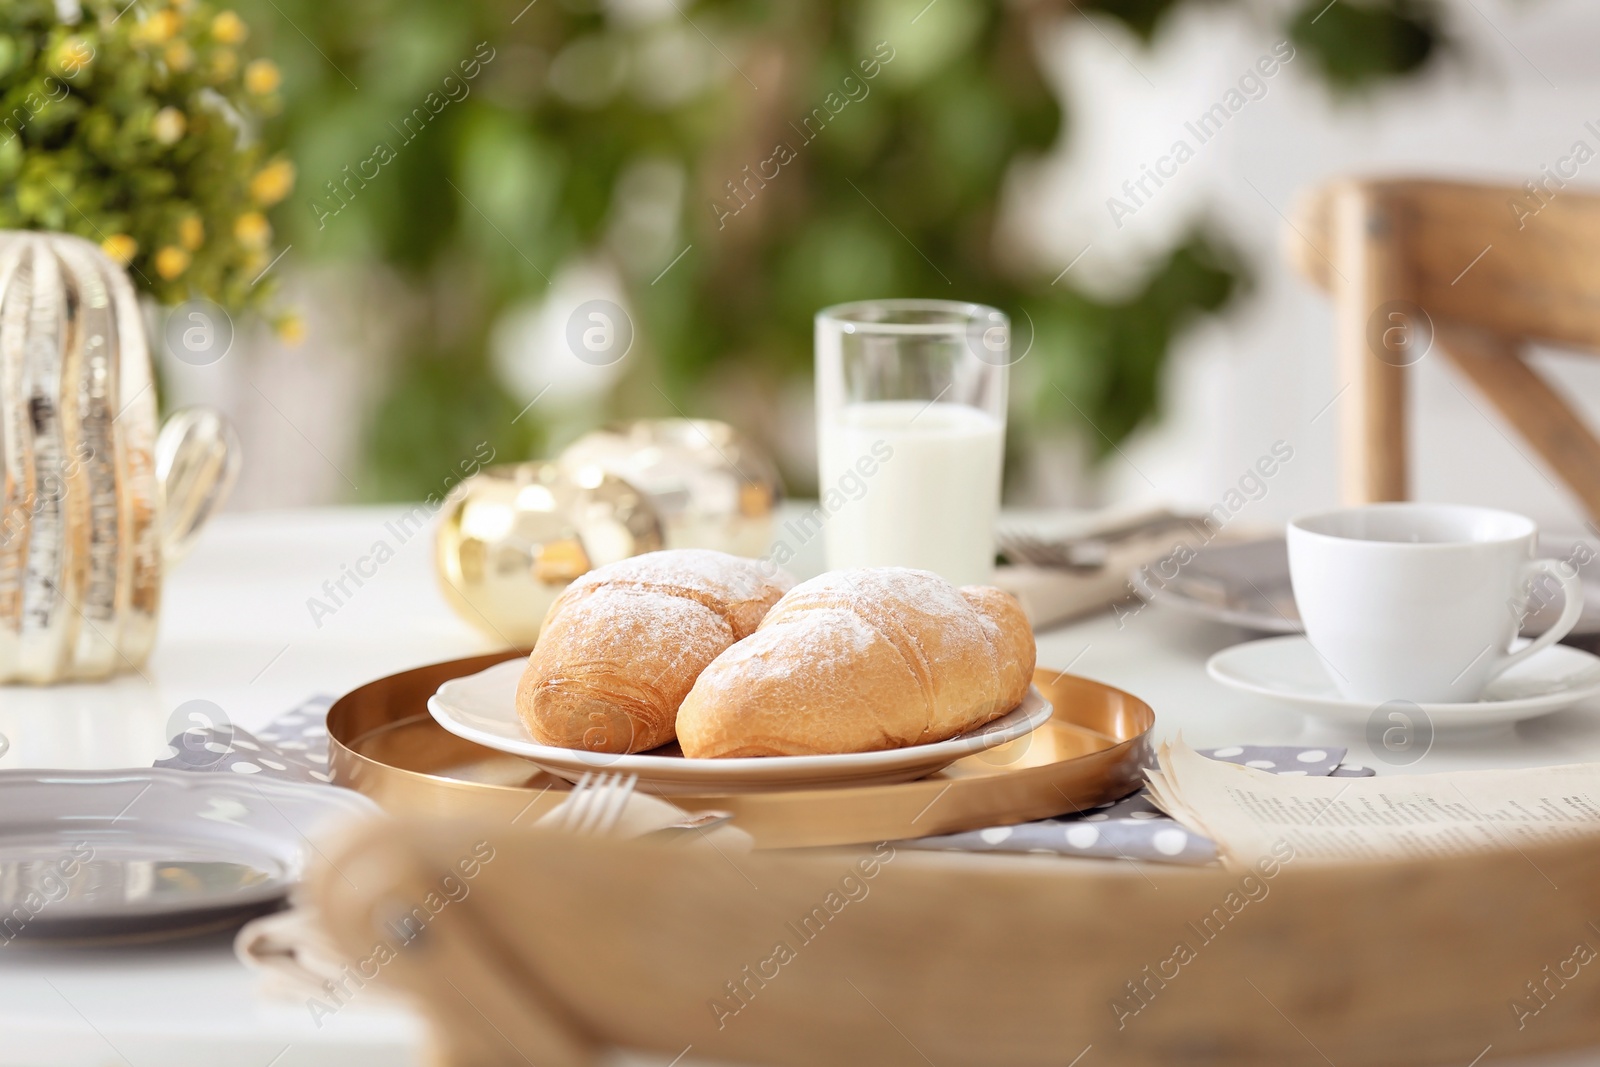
{"points": [[295, 959], [1050, 596], [292, 955]]}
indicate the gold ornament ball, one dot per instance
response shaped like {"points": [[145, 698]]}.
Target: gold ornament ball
{"points": [[516, 535], [712, 486]]}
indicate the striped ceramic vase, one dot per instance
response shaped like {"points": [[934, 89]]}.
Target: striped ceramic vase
{"points": [[95, 502]]}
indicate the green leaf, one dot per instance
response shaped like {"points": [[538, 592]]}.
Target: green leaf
{"points": [[1360, 43]]}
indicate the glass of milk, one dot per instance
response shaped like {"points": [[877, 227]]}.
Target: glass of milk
{"points": [[911, 415]]}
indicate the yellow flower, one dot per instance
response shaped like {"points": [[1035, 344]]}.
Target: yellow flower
{"points": [[191, 232], [229, 28], [71, 55], [253, 230], [171, 261], [120, 247], [272, 183], [224, 63], [169, 125], [291, 330], [261, 77], [180, 57], [159, 28]]}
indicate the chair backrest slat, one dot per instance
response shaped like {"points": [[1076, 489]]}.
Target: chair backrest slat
{"points": [[1492, 267], [1493, 256], [1474, 256]]}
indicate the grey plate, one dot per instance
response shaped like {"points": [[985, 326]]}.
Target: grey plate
{"points": [[1247, 585], [142, 854]]}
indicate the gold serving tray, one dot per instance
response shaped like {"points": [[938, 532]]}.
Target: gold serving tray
{"points": [[383, 742]]}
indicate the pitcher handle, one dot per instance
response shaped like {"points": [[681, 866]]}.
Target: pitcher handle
{"points": [[197, 462]]}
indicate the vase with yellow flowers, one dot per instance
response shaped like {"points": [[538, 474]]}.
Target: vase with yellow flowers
{"points": [[133, 169]]}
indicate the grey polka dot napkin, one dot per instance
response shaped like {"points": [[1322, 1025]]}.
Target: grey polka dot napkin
{"points": [[1133, 827], [294, 745]]}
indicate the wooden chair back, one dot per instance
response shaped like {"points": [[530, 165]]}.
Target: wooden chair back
{"points": [[1472, 272]]}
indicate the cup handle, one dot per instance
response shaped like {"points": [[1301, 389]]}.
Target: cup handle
{"points": [[1571, 608], [4, 745]]}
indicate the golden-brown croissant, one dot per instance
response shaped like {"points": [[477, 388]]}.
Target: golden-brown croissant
{"points": [[621, 646], [861, 660]]}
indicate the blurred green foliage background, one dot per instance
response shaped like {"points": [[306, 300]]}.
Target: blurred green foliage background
{"points": [[478, 147]]}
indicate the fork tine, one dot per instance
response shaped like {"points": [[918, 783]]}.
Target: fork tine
{"points": [[605, 786], [1008, 544], [595, 804], [1085, 551], [1035, 551], [598, 798], [1019, 547], [577, 803], [612, 814], [592, 800]]}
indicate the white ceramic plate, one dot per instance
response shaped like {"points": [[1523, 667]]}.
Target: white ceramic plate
{"points": [[141, 854], [1288, 669], [482, 708]]}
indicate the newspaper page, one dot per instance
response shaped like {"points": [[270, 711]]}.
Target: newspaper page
{"points": [[1249, 812]]}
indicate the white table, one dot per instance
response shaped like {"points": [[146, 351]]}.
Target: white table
{"points": [[237, 631]]}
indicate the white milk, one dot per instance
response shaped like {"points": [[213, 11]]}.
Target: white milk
{"points": [[919, 485]]}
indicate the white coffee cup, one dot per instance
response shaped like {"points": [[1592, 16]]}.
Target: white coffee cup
{"points": [[1420, 602]]}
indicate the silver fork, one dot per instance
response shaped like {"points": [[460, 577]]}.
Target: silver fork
{"points": [[1080, 554], [595, 804], [1035, 551]]}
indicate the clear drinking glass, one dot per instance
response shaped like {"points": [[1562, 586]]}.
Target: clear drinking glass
{"points": [[911, 415]]}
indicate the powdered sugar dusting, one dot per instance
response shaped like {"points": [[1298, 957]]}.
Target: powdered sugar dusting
{"points": [[713, 575], [916, 611], [674, 610], [771, 653], [613, 619], [904, 587]]}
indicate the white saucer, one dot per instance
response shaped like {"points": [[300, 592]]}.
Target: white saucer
{"points": [[1288, 669], [482, 708]]}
